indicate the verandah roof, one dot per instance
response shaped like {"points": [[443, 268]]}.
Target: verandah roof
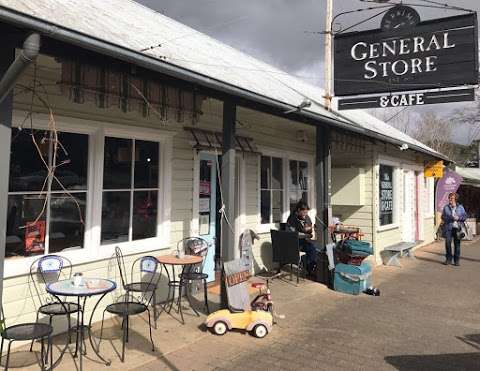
{"points": [[138, 29]]}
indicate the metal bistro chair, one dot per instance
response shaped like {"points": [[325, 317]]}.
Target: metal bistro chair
{"points": [[25, 332], [199, 247], [128, 305], [150, 272], [48, 269], [286, 250]]}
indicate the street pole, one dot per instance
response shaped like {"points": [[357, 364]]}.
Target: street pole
{"points": [[328, 54]]}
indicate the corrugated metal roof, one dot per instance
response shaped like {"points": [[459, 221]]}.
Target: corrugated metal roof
{"points": [[135, 27], [470, 175]]}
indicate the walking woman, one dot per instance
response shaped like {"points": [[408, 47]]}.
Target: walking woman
{"points": [[452, 216]]}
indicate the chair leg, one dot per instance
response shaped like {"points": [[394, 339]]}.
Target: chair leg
{"points": [[101, 329], [42, 355], [154, 302], [150, 328], [205, 293], [8, 355], [50, 341], [69, 320], [127, 324], [31, 344], [180, 301], [189, 299], [124, 338], [1, 350]]}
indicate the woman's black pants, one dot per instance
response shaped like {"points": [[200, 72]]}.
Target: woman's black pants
{"points": [[449, 237]]}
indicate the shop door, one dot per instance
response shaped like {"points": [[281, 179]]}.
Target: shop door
{"points": [[207, 207], [409, 212]]}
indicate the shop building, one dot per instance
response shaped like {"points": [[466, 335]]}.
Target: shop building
{"points": [[138, 114]]}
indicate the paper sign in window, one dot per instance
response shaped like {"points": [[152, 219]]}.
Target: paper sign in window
{"points": [[204, 205]]}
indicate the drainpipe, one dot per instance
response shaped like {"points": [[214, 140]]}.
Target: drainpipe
{"points": [[10, 70], [31, 47]]}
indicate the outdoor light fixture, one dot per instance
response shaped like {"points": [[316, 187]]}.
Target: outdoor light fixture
{"points": [[305, 103], [403, 147]]}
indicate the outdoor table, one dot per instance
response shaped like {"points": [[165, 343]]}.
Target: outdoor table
{"points": [[89, 287], [186, 262]]}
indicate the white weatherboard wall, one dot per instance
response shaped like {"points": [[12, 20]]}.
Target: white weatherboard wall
{"points": [[272, 135]]}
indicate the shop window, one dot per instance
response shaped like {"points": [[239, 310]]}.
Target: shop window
{"points": [[386, 195], [46, 212], [271, 189], [298, 183], [130, 190]]}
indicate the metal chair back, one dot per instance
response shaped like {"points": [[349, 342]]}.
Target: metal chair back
{"points": [[150, 271], [285, 247], [121, 265], [48, 269], [194, 246]]}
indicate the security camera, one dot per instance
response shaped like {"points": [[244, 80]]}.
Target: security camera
{"points": [[403, 147]]}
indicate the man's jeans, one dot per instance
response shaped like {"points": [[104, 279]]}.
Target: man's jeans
{"points": [[449, 236], [311, 253]]}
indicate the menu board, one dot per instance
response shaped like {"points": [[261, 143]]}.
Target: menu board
{"points": [[386, 194]]}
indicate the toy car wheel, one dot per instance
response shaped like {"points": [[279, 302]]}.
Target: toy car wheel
{"points": [[260, 331], [220, 328]]}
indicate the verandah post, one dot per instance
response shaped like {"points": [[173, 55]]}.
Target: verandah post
{"points": [[6, 108], [323, 181], [228, 188]]}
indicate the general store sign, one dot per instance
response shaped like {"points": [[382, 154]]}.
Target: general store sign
{"points": [[433, 54]]}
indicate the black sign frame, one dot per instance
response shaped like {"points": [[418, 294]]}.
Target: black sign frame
{"points": [[386, 194], [455, 66], [390, 100]]}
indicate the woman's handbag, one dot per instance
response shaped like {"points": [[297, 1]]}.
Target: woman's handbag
{"points": [[463, 231]]}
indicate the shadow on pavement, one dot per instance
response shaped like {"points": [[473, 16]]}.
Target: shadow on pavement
{"points": [[422, 258], [452, 361], [472, 340], [461, 257]]}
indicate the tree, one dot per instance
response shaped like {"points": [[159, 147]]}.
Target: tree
{"points": [[436, 133], [469, 117]]}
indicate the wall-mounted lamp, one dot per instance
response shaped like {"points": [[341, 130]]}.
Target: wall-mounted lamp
{"points": [[305, 103]]}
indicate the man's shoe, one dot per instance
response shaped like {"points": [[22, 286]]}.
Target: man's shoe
{"points": [[447, 262], [457, 264]]}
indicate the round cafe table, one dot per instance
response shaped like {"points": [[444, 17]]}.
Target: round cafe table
{"points": [[89, 287], [186, 262]]}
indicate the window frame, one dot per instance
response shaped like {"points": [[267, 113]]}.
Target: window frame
{"points": [[286, 157], [97, 130], [270, 189], [133, 189]]}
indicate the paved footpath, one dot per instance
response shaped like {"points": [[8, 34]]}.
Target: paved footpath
{"points": [[427, 318]]}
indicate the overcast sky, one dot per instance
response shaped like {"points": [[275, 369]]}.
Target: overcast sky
{"points": [[281, 32]]}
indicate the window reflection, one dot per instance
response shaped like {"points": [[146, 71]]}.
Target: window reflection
{"points": [[27, 171], [117, 168], [144, 224], [26, 230], [67, 226], [115, 217], [146, 164]]}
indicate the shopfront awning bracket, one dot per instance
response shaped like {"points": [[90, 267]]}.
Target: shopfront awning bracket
{"points": [[208, 140]]}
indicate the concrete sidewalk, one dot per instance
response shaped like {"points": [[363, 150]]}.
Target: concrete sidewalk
{"points": [[427, 318]]}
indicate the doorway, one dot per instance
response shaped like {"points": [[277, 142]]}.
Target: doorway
{"points": [[209, 201], [410, 230]]}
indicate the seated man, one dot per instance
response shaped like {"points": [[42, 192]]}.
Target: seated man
{"points": [[300, 221]]}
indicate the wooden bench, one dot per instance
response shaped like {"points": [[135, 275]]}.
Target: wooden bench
{"points": [[391, 254]]}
